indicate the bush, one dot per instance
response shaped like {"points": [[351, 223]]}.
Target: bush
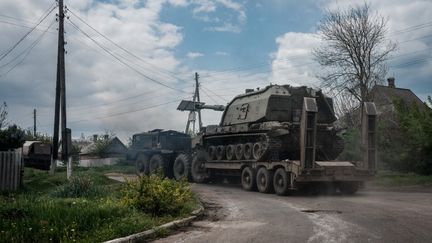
{"points": [[78, 186], [158, 196]]}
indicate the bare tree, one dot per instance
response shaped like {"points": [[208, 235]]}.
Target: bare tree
{"points": [[3, 115], [354, 50]]}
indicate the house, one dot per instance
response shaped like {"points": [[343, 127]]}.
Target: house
{"points": [[385, 96], [105, 151]]}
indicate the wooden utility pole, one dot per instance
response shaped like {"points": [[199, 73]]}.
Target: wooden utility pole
{"points": [[198, 99], [34, 123], [60, 98]]}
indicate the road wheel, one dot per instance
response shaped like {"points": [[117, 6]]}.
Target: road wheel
{"points": [[264, 180], [157, 163], [182, 167], [257, 150], [229, 152], [220, 152], [248, 179], [239, 149], [198, 172], [281, 182], [212, 152], [348, 187], [142, 164], [248, 151]]}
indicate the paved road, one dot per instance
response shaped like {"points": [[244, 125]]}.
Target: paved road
{"points": [[235, 215]]}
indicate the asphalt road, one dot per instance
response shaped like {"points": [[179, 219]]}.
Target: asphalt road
{"points": [[234, 215]]}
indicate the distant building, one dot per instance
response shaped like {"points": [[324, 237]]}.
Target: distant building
{"points": [[385, 96], [113, 150]]}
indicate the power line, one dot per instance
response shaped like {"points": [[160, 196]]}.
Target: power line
{"points": [[123, 62], [4, 54], [24, 53]]}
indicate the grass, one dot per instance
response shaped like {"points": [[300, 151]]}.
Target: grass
{"points": [[397, 179], [39, 213]]}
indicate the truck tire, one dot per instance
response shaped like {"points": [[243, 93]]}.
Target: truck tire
{"points": [[248, 179], [264, 180], [157, 163], [281, 182], [348, 187], [142, 165], [198, 173], [182, 166]]}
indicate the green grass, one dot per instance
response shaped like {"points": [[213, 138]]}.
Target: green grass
{"points": [[39, 214], [394, 179]]}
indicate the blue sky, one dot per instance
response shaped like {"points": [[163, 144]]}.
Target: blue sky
{"points": [[233, 44]]}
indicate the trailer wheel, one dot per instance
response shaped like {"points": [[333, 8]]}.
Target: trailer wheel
{"points": [[198, 172], [248, 151], [142, 165], [229, 152], [349, 187], [281, 182], [182, 167], [157, 163], [239, 149], [248, 179], [264, 180]]}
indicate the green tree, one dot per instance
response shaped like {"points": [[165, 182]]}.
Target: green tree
{"points": [[12, 137]]}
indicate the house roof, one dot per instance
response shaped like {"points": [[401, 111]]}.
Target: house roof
{"points": [[385, 95], [112, 142]]}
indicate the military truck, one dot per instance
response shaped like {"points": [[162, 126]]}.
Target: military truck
{"points": [[169, 151], [281, 138], [37, 154]]}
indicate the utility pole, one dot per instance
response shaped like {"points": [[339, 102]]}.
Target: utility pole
{"points": [[34, 122], [198, 99], [60, 98]]}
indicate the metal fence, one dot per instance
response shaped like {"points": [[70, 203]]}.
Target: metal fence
{"points": [[10, 170]]}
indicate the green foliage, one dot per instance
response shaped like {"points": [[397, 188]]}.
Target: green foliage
{"points": [[352, 149], [11, 138], [158, 196], [36, 215], [79, 186], [391, 178], [416, 126], [101, 144]]}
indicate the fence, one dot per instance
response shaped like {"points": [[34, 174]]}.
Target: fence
{"points": [[10, 170]]}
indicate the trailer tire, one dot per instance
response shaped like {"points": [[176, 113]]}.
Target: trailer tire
{"points": [[264, 180], [157, 163], [198, 173], [281, 182], [248, 179], [142, 165], [349, 187], [182, 166]]}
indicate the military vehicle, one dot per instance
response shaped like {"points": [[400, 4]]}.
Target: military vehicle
{"points": [[281, 138], [168, 150], [37, 154]]}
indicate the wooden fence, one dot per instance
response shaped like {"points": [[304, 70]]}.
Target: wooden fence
{"points": [[10, 170]]}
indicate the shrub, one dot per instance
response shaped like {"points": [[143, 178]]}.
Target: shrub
{"points": [[158, 196], [78, 186]]}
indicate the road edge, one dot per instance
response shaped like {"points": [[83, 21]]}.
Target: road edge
{"points": [[138, 237]]}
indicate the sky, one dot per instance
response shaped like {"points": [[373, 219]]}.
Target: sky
{"points": [[130, 62]]}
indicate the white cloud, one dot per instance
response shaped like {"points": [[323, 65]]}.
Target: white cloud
{"points": [[222, 53], [401, 14], [193, 55], [226, 27]]}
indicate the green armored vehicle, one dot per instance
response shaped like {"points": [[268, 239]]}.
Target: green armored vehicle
{"points": [[158, 149], [278, 138]]}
